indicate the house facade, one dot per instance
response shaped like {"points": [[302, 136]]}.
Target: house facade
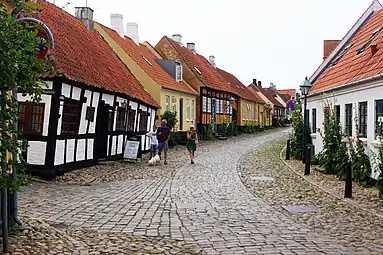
{"points": [[350, 80], [217, 103], [163, 79], [265, 118], [91, 103]]}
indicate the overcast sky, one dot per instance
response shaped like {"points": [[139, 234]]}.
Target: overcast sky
{"points": [[275, 41]]}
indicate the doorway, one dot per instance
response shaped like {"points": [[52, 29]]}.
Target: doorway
{"points": [[102, 131]]}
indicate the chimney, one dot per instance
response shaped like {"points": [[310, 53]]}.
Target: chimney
{"points": [[212, 60], [374, 49], [255, 82], [177, 38], [116, 23], [132, 31], [260, 84], [85, 14], [329, 46], [191, 46]]}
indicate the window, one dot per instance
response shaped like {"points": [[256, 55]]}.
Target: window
{"points": [[378, 113], [167, 102], [143, 121], [71, 118], [174, 104], [366, 44], [341, 54], [192, 111], [243, 112], [209, 105], [204, 104], [221, 105], [337, 113], [131, 119], [121, 118], [314, 120], [363, 118], [230, 110], [31, 118], [188, 115], [178, 72], [348, 120], [110, 121]]}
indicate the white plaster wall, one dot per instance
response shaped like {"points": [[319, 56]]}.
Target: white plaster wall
{"points": [[366, 92], [80, 154], [90, 149], [59, 155], [65, 90], [120, 144], [114, 145], [70, 150], [36, 153], [76, 93]]}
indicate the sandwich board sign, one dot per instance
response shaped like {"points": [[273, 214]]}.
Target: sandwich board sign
{"points": [[131, 149]]}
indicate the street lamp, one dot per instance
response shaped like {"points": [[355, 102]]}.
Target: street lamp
{"points": [[305, 88]]}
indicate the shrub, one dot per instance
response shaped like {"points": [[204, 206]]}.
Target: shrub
{"points": [[207, 132], [171, 118]]}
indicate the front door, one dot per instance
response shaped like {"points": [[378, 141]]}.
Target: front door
{"points": [[102, 131], [181, 120]]}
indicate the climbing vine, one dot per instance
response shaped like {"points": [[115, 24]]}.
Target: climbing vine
{"points": [[19, 69]]}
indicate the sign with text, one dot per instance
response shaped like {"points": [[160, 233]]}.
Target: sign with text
{"points": [[131, 149]]}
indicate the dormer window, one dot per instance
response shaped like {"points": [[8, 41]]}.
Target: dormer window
{"points": [[366, 44], [341, 54], [178, 72]]}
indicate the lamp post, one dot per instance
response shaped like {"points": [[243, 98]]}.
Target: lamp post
{"points": [[305, 88]]}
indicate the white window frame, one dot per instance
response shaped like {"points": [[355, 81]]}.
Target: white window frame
{"points": [[167, 103], [174, 104], [204, 104], [179, 72], [221, 105], [209, 105], [188, 110], [192, 111]]}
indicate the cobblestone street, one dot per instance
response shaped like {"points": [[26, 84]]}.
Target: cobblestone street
{"points": [[204, 207]]}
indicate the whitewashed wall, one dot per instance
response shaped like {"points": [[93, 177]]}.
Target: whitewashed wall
{"points": [[349, 95], [37, 150]]}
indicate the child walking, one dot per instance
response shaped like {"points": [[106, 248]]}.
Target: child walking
{"points": [[153, 141], [191, 143]]}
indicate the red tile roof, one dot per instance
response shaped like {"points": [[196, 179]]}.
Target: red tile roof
{"points": [[81, 55], [352, 66], [267, 93], [209, 76], [242, 90], [154, 70], [290, 92]]}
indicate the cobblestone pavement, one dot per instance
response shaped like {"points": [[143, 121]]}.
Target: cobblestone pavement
{"points": [[204, 204]]}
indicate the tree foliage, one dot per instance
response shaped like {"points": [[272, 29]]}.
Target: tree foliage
{"points": [[19, 69], [171, 118]]}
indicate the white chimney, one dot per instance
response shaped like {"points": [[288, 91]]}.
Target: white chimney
{"points": [[191, 46], [212, 60], [117, 23], [85, 14], [132, 31], [177, 38]]}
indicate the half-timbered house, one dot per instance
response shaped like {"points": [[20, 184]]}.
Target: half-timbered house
{"points": [[91, 104]]}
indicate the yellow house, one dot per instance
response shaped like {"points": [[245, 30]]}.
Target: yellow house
{"points": [[265, 110], [161, 78]]}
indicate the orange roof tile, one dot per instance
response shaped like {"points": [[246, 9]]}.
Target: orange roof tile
{"points": [[208, 75], [238, 86], [81, 55], [154, 70], [290, 92], [354, 67]]}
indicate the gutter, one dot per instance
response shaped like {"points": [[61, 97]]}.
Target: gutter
{"points": [[365, 80]]}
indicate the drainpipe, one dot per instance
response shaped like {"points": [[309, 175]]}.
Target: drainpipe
{"points": [[14, 197]]}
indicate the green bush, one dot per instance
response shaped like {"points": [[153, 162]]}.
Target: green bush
{"points": [[230, 129], [171, 118], [207, 132]]}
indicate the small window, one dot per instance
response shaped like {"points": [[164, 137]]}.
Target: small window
{"points": [[341, 54], [198, 71], [110, 120], [31, 118], [188, 109], [167, 103], [121, 119], [179, 72], [174, 104], [337, 113], [192, 111], [143, 121], [131, 120], [209, 105], [71, 118], [314, 120], [366, 44], [204, 104], [348, 120], [363, 119], [378, 113], [221, 106]]}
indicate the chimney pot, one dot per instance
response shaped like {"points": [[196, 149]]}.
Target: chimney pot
{"points": [[255, 82], [85, 14], [132, 31], [260, 84], [374, 49], [191, 46], [116, 23], [212, 60], [177, 38]]}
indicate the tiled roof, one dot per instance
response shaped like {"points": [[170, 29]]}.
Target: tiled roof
{"points": [[207, 74], [81, 55], [238, 86], [290, 92], [354, 67], [268, 94], [139, 53]]}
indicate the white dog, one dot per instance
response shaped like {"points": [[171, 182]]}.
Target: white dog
{"points": [[154, 161]]}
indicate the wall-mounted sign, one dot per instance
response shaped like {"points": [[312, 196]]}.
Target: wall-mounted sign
{"points": [[49, 91]]}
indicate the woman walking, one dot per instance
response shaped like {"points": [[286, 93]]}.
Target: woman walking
{"points": [[191, 143]]}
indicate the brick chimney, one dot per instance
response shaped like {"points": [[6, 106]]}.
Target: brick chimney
{"points": [[328, 47]]}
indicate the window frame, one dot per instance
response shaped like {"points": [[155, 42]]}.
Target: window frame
{"points": [[131, 120], [337, 113], [174, 104], [28, 116], [74, 105], [363, 115], [192, 111], [348, 119], [378, 102], [188, 109], [178, 72], [313, 121], [121, 111], [167, 103], [143, 121]]}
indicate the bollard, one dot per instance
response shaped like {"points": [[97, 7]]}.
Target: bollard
{"points": [[308, 160], [288, 150], [348, 186]]}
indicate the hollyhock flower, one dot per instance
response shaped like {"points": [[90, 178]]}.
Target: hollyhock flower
{"points": [[353, 139], [359, 134], [364, 143], [346, 139]]}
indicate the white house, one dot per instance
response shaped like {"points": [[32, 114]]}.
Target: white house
{"points": [[351, 78], [92, 103]]}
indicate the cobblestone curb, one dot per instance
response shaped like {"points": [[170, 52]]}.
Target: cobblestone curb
{"points": [[348, 201]]}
